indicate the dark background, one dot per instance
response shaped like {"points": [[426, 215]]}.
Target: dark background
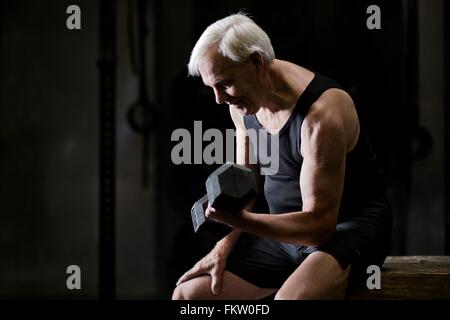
{"points": [[50, 135]]}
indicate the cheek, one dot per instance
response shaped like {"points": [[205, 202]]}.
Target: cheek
{"points": [[233, 91], [255, 90], [238, 92], [248, 89]]}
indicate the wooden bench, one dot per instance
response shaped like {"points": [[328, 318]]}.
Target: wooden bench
{"points": [[411, 277]]}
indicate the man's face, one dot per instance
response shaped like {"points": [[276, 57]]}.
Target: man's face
{"points": [[238, 85]]}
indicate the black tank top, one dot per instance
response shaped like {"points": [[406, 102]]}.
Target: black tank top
{"points": [[364, 179]]}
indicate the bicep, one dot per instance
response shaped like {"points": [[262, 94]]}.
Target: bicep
{"points": [[321, 186], [323, 170]]}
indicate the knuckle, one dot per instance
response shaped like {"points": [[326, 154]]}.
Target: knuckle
{"points": [[196, 268]]}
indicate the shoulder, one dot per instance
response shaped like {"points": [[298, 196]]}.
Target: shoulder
{"points": [[333, 114], [333, 105]]}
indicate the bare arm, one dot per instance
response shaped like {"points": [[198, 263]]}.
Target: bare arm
{"points": [[243, 152], [327, 134], [214, 262]]}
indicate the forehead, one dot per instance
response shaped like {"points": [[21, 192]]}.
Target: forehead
{"points": [[214, 67]]}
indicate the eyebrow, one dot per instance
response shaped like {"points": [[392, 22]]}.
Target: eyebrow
{"points": [[217, 82], [221, 81]]}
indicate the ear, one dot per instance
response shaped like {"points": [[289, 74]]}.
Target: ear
{"points": [[258, 61]]}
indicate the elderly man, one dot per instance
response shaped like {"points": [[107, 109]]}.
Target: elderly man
{"points": [[329, 218]]}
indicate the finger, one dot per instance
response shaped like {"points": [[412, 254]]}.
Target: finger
{"points": [[195, 271], [209, 211], [216, 282]]}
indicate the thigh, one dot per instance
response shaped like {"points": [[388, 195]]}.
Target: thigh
{"points": [[361, 240], [233, 288], [320, 276], [263, 262]]}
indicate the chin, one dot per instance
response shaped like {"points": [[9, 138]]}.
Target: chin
{"points": [[248, 110], [244, 111]]}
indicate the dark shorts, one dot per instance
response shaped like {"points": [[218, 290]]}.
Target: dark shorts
{"points": [[361, 241]]}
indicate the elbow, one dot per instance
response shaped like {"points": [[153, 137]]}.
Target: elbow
{"points": [[320, 237], [325, 234], [322, 233]]}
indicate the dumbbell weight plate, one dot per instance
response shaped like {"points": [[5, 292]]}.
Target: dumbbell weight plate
{"points": [[231, 187]]}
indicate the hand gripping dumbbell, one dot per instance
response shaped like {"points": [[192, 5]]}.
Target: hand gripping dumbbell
{"points": [[229, 189]]}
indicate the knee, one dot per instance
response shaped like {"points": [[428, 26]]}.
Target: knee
{"points": [[281, 296], [181, 292], [299, 294], [311, 292], [193, 289]]}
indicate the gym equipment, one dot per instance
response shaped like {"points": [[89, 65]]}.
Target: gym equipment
{"points": [[142, 115], [229, 189], [107, 65]]}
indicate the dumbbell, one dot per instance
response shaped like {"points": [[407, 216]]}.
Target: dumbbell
{"points": [[229, 189]]}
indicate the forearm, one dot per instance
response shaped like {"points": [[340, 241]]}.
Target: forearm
{"points": [[225, 246], [300, 227], [227, 243]]}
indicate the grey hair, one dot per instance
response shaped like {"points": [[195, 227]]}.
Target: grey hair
{"points": [[237, 37]]}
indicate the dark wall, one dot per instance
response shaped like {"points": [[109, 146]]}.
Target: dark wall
{"points": [[49, 146], [49, 153]]}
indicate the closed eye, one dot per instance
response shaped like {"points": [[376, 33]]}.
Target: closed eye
{"points": [[224, 84]]}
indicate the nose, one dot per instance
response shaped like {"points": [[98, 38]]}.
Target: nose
{"points": [[220, 96]]}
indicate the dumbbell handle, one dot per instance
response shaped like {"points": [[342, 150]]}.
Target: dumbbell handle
{"points": [[214, 231], [198, 212]]}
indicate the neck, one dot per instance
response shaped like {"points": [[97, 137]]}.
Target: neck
{"points": [[286, 82]]}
